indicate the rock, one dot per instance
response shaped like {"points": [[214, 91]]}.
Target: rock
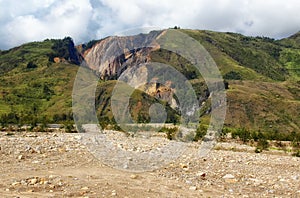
{"points": [[228, 176], [53, 176], [202, 175], [184, 166], [23, 182], [20, 157], [52, 186], [15, 183], [193, 188], [38, 150], [113, 193], [256, 181], [33, 181], [78, 137], [44, 182], [56, 59], [27, 148], [295, 177], [97, 60], [134, 176], [85, 188], [271, 191]]}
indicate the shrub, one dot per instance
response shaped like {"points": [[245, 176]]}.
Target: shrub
{"points": [[31, 65], [69, 127], [104, 121], [243, 134], [200, 132], [262, 144], [224, 132], [233, 75], [171, 132], [257, 150], [296, 153]]}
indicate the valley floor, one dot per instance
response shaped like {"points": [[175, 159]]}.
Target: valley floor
{"points": [[58, 165]]}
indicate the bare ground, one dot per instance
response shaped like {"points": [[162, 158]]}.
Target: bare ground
{"points": [[57, 165]]}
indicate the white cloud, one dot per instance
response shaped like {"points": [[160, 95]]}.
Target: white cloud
{"points": [[35, 21], [24, 21], [273, 18]]}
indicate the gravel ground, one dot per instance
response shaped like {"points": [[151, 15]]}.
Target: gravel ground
{"points": [[65, 165]]}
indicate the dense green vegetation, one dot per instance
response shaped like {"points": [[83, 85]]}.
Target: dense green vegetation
{"points": [[64, 48], [33, 89]]}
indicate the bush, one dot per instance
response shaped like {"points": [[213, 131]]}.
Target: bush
{"points": [[200, 132], [297, 153], [171, 132], [69, 127], [233, 75], [243, 134], [262, 144], [104, 121], [224, 132], [31, 65], [257, 150]]}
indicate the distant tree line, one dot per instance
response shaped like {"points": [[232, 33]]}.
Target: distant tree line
{"points": [[32, 118], [262, 138]]}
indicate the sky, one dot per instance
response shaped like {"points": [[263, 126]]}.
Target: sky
{"points": [[24, 21]]}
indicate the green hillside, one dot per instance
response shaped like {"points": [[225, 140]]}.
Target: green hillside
{"points": [[263, 77], [32, 86]]}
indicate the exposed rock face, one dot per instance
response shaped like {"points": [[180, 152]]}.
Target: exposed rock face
{"points": [[113, 55], [57, 60], [162, 92]]}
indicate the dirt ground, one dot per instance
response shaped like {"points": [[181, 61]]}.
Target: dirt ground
{"points": [[58, 165]]}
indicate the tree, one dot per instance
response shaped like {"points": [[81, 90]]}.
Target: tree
{"points": [[31, 65], [65, 48]]}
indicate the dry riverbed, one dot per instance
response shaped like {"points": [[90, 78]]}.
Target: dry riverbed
{"points": [[59, 165]]}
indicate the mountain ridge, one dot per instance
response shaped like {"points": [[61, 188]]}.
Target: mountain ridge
{"points": [[262, 73]]}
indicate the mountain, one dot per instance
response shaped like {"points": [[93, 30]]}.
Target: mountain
{"points": [[262, 76]]}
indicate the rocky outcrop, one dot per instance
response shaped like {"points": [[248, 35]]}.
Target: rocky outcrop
{"points": [[65, 51], [113, 55], [162, 92]]}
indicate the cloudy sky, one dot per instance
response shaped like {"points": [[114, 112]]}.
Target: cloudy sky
{"points": [[33, 20]]}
